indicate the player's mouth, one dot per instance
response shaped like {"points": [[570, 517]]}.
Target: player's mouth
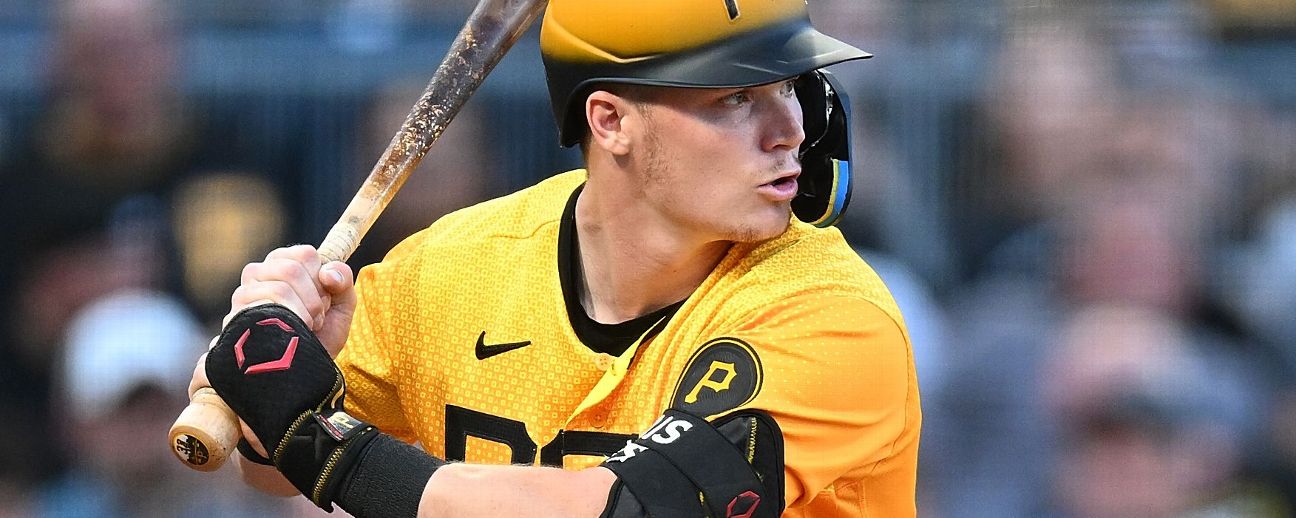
{"points": [[782, 188]]}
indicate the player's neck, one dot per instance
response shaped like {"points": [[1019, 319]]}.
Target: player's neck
{"points": [[632, 264]]}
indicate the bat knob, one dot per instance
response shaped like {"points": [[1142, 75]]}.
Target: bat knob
{"points": [[206, 432]]}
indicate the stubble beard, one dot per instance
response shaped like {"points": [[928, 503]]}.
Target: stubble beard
{"points": [[655, 173], [750, 234]]}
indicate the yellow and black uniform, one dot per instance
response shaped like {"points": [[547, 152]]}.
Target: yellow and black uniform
{"points": [[468, 339]]}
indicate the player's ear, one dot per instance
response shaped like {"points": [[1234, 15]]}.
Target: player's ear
{"points": [[606, 113]]}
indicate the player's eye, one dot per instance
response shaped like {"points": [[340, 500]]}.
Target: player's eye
{"points": [[736, 99], [789, 88]]}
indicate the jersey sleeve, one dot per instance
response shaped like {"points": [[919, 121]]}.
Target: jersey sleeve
{"points": [[366, 362], [838, 378]]}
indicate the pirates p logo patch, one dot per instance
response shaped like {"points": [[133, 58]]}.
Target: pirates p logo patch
{"points": [[723, 374]]}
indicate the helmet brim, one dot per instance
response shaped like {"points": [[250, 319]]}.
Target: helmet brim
{"points": [[756, 58]]}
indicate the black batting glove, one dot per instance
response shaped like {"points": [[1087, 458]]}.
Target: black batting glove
{"points": [[272, 371]]}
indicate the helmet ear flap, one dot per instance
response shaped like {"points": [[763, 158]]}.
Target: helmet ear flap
{"points": [[825, 186]]}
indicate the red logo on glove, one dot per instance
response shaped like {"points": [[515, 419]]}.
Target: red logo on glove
{"points": [[282, 363], [743, 506]]}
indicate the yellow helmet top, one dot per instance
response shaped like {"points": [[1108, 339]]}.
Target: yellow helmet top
{"points": [[688, 43]]}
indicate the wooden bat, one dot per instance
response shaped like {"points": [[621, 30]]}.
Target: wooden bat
{"points": [[207, 431]]}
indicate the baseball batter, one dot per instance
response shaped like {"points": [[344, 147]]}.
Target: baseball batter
{"points": [[674, 330]]}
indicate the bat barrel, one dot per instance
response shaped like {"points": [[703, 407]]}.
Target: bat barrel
{"points": [[493, 27]]}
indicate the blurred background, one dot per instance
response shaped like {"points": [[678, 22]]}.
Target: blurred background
{"points": [[1086, 210]]}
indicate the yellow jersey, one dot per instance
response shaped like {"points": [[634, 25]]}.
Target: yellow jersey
{"points": [[462, 342]]}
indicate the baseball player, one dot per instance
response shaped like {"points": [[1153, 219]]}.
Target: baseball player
{"points": [[673, 331]]}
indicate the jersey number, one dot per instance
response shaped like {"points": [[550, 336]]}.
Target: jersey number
{"points": [[462, 422], [732, 6]]}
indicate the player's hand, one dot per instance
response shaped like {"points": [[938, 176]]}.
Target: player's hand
{"points": [[199, 380], [265, 478], [322, 295], [278, 378]]}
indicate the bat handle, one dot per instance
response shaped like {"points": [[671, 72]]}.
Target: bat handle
{"points": [[206, 432], [345, 235]]}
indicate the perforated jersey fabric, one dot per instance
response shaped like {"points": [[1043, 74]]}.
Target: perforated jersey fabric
{"points": [[797, 326]]}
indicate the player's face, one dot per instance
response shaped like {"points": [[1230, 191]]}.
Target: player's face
{"points": [[722, 164]]}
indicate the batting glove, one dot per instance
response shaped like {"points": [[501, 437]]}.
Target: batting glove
{"points": [[274, 373]]}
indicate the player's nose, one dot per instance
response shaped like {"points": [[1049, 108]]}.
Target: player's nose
{"points": [[783, 128]]}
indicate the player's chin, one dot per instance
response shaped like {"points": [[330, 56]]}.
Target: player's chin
{"points": [[769, 224]]}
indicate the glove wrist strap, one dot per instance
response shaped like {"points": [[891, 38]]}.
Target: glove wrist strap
{"points": [[387, 479], [316, 455]]}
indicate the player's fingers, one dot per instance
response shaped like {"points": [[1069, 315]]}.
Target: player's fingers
{"points": [[235, 307], [304, 278], [199, 379], [254, 273], [339, 282], [305, 254], [300, 277], [278, 292], [298, 253]]}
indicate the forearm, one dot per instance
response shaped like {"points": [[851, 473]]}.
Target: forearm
{"points": [[470, 490]]}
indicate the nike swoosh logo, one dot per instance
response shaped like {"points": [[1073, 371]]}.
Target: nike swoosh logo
{"points": [[485, 350]]}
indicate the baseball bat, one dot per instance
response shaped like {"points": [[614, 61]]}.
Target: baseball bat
{"points": [[207, 431]]}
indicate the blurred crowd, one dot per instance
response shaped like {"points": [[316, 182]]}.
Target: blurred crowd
{"points": [[1086, 211]]}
